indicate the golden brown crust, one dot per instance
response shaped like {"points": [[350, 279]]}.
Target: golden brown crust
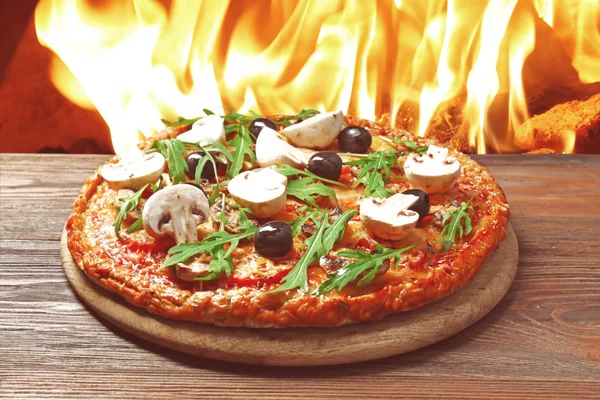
{"points": [[130, 267]]}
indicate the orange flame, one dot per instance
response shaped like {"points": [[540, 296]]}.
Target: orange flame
{"points": [[138, 61]]}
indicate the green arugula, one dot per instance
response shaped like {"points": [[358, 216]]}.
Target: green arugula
{"points": [[304, 188], [179, 122], [136, 226], [319, 244], [454, 227], [287, 121], [129, 204], [375, 172], [288, 170], [241, 143], [411, 145], [351, 272], [174, 151], [211, 244]]}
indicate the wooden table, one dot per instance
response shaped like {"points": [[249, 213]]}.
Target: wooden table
{"points": [[541, 341]]}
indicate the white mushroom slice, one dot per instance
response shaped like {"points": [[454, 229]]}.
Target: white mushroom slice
{"points": [[210, 127], [316, 132], [389, 218], [263, 192], [133, 173], [272, 149], [434, 172], [176, 211]]}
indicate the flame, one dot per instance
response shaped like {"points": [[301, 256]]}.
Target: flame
{"points": [[137, 61]]}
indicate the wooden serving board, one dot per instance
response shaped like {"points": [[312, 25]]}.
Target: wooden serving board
{"points": [[392, 335]]}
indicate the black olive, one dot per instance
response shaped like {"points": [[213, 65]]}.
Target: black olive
{"points": [[326, 164], [194, 184], [259, 123], [208, 171], [354, 139], [273, 239], [422, 205]]}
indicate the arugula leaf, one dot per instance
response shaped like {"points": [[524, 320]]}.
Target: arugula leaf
{"points": [[174, 151], [365, 261], [288, 170], [313, 250], [296, 225], [305, 113], [241, 144], [319, 244], [180, 121], [129, 204], [136, 226], [184, 251], [337, 229], [304, 188], [375, 172], [411, 145], [454, 227]]}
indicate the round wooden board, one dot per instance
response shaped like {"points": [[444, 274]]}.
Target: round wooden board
{"points": [[392, 335]]}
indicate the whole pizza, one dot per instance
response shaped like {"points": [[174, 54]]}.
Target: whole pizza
{"points": [[315, 219]]}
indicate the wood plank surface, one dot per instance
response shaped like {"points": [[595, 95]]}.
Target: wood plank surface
{"points": [[541, 341]]}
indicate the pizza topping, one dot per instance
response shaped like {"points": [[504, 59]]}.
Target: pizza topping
{"points": [[355, 139], [126, 206], [176, 211], [453, 220], [316, 246], [214, 245], [316, 132], [193, 271], [421, 206], [389, 218], [272, 149], [273, 239], [326, 164], [134, 173], [411, 145], [207, 168], [376, 263], [258, 124], [375, 172], [205, 130], [434, 172], [263, 192]]}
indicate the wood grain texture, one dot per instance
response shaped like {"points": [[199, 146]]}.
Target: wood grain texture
{"points": [[392, 335], [541, 341]]}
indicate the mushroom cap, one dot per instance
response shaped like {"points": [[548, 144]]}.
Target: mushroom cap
{"points": [[262, 191], [434, 172], [316, 132], [176, 211], [210, 127], [134, 172], [389, 218], [272, 149]]}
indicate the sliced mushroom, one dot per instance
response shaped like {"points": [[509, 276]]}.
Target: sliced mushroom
{"points": [[389, 218], [176, 211], [210, 127], [434, 172], [272, 149], [316, 132], [133, 173], [262, 191], [194, 270]]}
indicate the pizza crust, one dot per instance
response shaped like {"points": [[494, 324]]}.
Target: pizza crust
{"points": [[131, 267]]}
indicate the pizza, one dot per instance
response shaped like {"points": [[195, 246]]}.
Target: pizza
{"points": [[315, 219]]}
